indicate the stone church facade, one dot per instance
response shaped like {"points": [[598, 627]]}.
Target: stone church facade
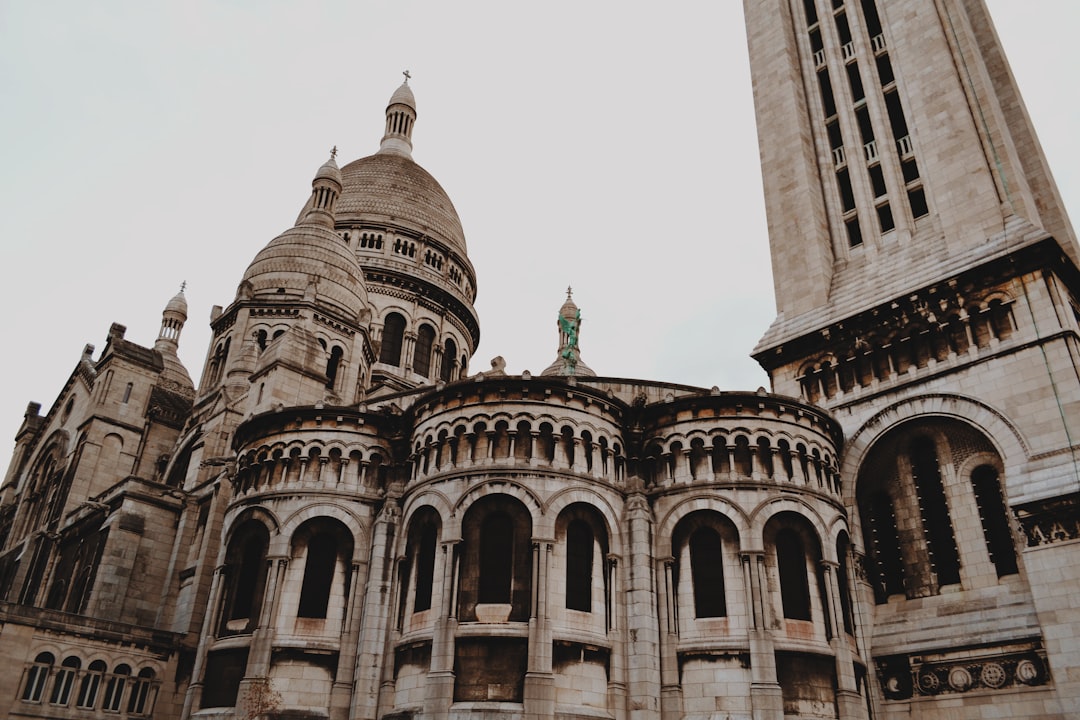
{"points": [[341, 520]]}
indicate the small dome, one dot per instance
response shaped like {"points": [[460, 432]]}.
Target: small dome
{"points": [[403, 96], [386, 186], [178, 305], [308, 262], [329, 170]]}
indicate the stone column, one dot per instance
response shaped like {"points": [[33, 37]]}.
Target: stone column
{"points": [[642, 632], [848, 701], [617, 674], [539, 680], [671, 700], [193, 698], [440, 684], [342, 692], [766, 700], [377, 611]]}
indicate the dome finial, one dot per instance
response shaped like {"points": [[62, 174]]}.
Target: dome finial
{"points": [[400, 117], [569, 360]]}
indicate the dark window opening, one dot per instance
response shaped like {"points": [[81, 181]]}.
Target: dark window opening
{"points": [[842, 579], [884, 70], [842, 27], [917, 198], [836, 139], [816, 45], [794, 585], [937, 525], [224, 671], [885, 217], [811, 12], [847, 197], [870, 14], [332, 365], [896, 115], [827, 99], [496, 558], [877, 180], [393, 336], [90, 685], [245, 574], [866, 130], [36, 677], [447, 372], [855, 80], [910, 169], [995, 522], [425, 341], [114, 688], [65, 680], [425, 568], [579, 566], [318, 576], [854, 232], [707, 573]]}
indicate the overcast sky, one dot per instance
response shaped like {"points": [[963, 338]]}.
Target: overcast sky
{"points": [[606, 145]]}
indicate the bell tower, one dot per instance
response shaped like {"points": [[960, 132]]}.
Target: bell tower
{"points": [[926, 286]]}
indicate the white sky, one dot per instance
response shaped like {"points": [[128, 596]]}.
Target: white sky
{"points": [[608, 145]]}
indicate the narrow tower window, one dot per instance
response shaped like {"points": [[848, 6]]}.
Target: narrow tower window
{"points": [[318, 576], [392, 338], [994, 519], [579, 566], [937, 525], [425, 340], [791, 565], [707, 572]]}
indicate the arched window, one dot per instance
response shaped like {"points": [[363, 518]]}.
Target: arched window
{"points": [[140, 701], [425, 340], [425, 566], [91, 685], [65, 679], [707, 573], [791, 565], [496, 564], [579, 566], [36, 676], [318, 576], [245, 563], [393, 336], [321, 561], [448, 372], [332, 365], [114, 688], [994, 517]]}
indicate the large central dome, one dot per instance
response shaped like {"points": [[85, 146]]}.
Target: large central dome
{"points": [[391, 187]]}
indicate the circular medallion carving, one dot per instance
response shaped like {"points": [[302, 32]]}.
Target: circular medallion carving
{"points": [[959, 679], [993, 675], [929, 683], [1028, 672]]}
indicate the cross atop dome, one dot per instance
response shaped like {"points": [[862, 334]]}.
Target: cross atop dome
{"points": [[407, 76]]}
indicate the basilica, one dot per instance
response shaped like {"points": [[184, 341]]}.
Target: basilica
{"points": [[344, 519]]}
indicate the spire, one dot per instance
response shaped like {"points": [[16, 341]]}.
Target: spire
{"points": [[172, 322], [400, 117], [325, 190], [569, 361], [174, 374]]}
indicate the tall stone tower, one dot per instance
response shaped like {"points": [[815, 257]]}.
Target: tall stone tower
{"points": [[926, 288]]}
